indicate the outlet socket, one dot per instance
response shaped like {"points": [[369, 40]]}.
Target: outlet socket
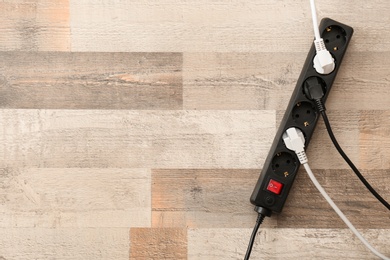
{"points": [[284, 164], [281, 165]]}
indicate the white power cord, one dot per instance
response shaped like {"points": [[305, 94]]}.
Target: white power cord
{"points": [[314, 19], [323, 61], [295, 141]]}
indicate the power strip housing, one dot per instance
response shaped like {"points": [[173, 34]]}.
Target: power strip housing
{"points": [[281, 165]]}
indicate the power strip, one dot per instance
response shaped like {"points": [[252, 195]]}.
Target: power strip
{"points": [[281, 165]]}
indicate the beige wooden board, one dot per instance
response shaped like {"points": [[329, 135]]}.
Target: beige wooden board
{"points": [[285, 243], [203, 198], [147, 139], [375, 139], [35, 25], [158, 243], [91, 80], [64, 243], [362, 83], [239, 80], [127, 125], [75, 197], [218, 26]]}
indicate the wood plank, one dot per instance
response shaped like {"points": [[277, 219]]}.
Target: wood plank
{"points": [[285, 243], [189, 26], [75, 198], [362, 82], [240, 80], [35, 25], [375, 139], [158, 243], [266, 80], [203, 198], [306, 208], [91, 80], [135, 139], [64, 243], [217, 26]]}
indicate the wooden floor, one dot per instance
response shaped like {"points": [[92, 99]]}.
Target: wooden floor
{"points": [[137, 129]]}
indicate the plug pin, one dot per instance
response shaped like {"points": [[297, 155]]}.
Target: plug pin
{"points": [[306, 123], [286, 174], [328, 29]]}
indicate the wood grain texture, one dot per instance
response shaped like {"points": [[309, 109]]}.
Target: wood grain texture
{"points": [[137, 129], [190, 26], [91, 80], [74, 197], [217, 26], [239, 80], [158, 243], [135, 139], [282, 243], [306, 208], [203, 198], [357, 87], [375, 139], [33, 25], [64, 243]]}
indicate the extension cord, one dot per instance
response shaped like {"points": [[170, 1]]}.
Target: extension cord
{"points": [[281, 165]]}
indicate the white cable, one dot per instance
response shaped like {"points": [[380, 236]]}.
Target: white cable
{"points": [[294, 140], [341, 214], [314, 18]]}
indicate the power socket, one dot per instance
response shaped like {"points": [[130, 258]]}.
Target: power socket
{"points": [[281, 165]]}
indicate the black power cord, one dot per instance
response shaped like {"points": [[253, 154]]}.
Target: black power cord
{"points": [[314, 90], [262, 213], [350, 163]]}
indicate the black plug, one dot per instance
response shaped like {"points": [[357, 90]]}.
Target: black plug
{"points": [[314, 89]]}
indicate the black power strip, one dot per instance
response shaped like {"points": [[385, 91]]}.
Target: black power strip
{"points": [[281, 165]]}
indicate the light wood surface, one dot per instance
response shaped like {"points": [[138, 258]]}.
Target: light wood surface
{"points": [[137, 129]]}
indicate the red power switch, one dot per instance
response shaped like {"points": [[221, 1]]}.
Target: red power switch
{"points": [[274, 186]]}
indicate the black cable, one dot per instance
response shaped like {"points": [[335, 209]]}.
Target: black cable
{"points": [[353, 167], [260, 218], [314, 90], [262, 213]]}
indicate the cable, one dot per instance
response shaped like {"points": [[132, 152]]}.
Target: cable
{"points": [[340, 213], [314, 19], [314, 90], [350, 163], [294, 141], [259, 220], [262, 213]]}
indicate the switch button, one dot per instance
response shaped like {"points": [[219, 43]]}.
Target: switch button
{"points": [[275, 187]]}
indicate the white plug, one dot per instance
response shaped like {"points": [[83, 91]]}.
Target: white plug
{"points": [[295, 141], [323, 61]]}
